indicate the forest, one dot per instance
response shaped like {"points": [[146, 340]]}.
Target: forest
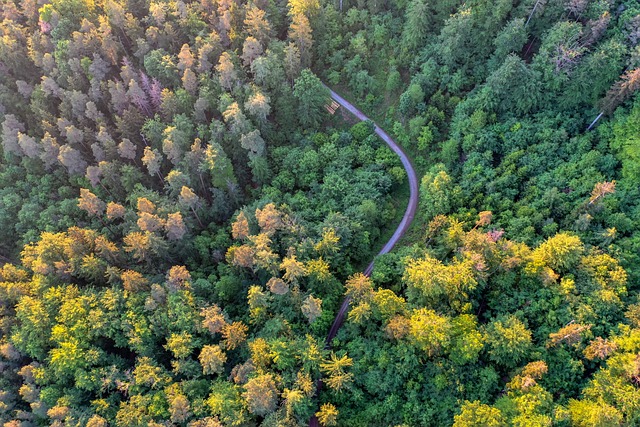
{"points": [[183, 211]]}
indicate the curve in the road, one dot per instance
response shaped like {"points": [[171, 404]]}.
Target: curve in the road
{"points": [[408, 214], [400, 230]]}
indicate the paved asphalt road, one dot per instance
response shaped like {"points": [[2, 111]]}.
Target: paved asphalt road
{"points": [[400, 230]]}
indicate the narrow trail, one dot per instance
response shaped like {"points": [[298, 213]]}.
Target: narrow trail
{"points": [[400, 230]]}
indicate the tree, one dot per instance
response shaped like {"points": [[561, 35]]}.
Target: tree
{"points": [[576, 7], [127, 149], [139, 97], [174, 226], [258, 301], [300, 34], [328, 415], [509, 341], [96, 421], [190, 81], [509, 40], [429, 331], [476, 414], [359, 288], [152, 159], [212, 359], [234, 334], [94, 175], [600, 348], [179, 407], [560, 253], [149, 222], [303, 7], [213, 319], [253, 143], [438, 194], [269, 219], [293, 269], [587, 413], [629, 82], [312, 96], [133, 281], [226, 403], [318, 269], [429, 280], [240, 227], [178, 277], [527, 379], [90, 203], [31, 337], [242, 256], [512, 86], [277, 286], [388, 303], [335, 369], [466, 340], [570, 334], [328, 244], [50, 151], [180, 345], [265, 258], [72, 159], [312, 308], [292, 62], [218, 165], [185, 58], [261, 394], [11, 128], [140, 245], [600, 190], [190, 200], [256, 25], [251, 49], [29, 146], [227, 73], [258, 106], [417, 25]]}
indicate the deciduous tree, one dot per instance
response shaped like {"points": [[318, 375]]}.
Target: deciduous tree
{"points": [[90, 203], [212, 359], [261, 394], [312, 308]]}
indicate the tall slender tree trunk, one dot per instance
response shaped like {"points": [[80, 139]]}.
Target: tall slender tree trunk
{"points": [[535, 6], [193, 209], [593, 123]]}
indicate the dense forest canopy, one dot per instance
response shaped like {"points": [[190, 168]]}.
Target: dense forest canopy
{"points": [[181, 215]]}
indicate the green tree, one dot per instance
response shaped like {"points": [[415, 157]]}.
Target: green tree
{"points": [[586, 413], [477, 414], [312, 96], [418, 23], [509, 341], [438, 193], [429, 331]]}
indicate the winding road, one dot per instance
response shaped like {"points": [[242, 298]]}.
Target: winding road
{"points": [[400, 230]]}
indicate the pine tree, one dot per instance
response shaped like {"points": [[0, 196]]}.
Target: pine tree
{"points": [[227, 73], [312, 96], [300, 34]]}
